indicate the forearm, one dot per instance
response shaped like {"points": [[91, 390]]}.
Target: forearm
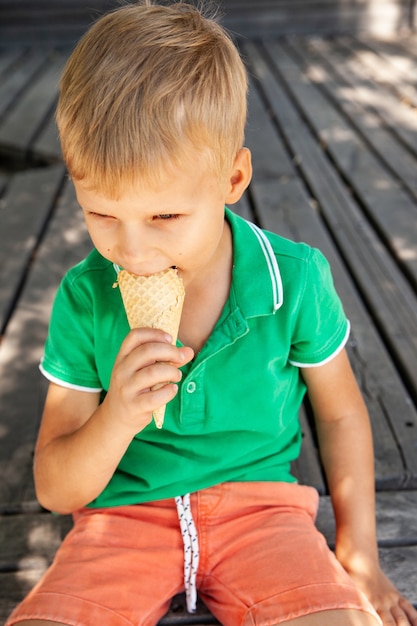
{"points": [[346, 449], [347, 456], [73, 469]]}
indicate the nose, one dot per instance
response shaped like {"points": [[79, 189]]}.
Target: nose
{"points": [[135, 251], [132, 249]]}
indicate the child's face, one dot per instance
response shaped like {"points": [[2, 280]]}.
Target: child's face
{"points": [[181, 223]]}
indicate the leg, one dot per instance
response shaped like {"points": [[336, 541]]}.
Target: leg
{"points": [[347, 617], [265, 562], [116, 566]]}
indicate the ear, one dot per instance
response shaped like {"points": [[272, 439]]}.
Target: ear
{"points": [[240, 177]]}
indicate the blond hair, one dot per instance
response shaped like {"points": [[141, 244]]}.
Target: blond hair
{"points": [[144, 84]]}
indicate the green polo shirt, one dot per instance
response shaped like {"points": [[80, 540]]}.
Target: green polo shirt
{"points": [[235, 417]]}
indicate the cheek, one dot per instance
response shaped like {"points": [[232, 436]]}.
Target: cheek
{"points": [[101, 241]]}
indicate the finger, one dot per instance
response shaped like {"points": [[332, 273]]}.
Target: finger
{"points": [[156, 375], [161, 396], [146, 354], [395, 616], [400, 617], [140, 336], [409, 610], [386, 617]]}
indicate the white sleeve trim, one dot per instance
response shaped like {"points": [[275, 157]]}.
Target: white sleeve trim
{"points": [[329, 358], [63, 383]]}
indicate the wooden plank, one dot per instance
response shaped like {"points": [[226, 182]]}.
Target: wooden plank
{"points": [[380, 19], [33, 109], [58, 22], [14, 83], [400, 55], [397, 536], [28, 544], [8, 59], [395, 515], [400, 566], [177, 614], [385, 97], [46, 146], [376, 188], [25, 209], [381, 71], [4, 181], [14, 586], [21, 349], [372, 110], [30, 540], [270, 159]]}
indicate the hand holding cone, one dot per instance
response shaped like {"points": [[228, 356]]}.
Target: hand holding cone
{"points": [[153, 301]]}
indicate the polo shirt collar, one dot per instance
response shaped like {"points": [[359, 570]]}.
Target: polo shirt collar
{"points": [[256, 281]]}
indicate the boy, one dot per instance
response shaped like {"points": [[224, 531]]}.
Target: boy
{"points": [[151, 118]]}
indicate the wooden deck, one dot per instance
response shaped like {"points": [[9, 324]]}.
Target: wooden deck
{"points": [[63, 21], [333, 131]]}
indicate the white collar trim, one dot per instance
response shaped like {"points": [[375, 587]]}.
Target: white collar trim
{"points": [[271, 261]]}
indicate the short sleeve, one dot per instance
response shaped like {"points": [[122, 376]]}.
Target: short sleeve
{"points": [[321, 329], [69, 357]]}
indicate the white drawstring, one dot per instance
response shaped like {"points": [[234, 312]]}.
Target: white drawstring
{"points": [[191, 550]]}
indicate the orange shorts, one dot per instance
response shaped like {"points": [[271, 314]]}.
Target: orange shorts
{"points": [[262, 562]]}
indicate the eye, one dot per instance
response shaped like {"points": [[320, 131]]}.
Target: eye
{"points": [[94, 214], [102, 216], [166, 216]]}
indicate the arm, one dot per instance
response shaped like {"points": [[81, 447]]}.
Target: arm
{"points": [[345, 442], [81, 442]]}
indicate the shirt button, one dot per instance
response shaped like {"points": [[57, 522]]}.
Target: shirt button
{"points": [[191, 387]]}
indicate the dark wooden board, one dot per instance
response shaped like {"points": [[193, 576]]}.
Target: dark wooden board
{"points": [[9, 59], [268, 19], [378, 69], [30, 540], [376, 188], [33, 109], [395, 514], [46, 146], [21, 391], [18, 77], [26, 206], [397, 536], [381, 88], [383, 118], [58, 22]]}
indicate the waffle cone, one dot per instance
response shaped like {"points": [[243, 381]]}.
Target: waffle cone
{"points": [[153, 301]]}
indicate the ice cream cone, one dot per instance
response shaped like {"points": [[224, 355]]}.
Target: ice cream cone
{"points": [[153, 301]]}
